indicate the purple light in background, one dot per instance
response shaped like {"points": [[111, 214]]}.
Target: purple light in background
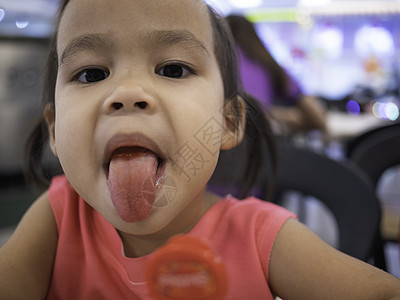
{"points": [[353, 107]]}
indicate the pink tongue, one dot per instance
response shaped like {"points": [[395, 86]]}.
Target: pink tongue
{"points": [[131, 182]]}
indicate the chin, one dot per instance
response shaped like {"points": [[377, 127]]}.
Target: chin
{"points": [[154, 223]]}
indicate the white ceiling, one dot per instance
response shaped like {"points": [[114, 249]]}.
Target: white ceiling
{"points": [[229, 6], [35, 17]]}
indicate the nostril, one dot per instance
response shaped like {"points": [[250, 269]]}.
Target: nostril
{"points": [[141, 104], [117, 105]]}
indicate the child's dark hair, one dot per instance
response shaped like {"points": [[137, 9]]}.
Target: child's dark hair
{"points": [[257, 127]]}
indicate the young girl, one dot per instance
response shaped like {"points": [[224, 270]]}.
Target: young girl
{"points": [[141, 97]]}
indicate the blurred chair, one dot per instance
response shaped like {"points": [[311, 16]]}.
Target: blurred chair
{"points": [[376, 151], [343, 188]]}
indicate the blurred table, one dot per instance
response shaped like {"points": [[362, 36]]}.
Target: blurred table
{"points": [[341, 125]]}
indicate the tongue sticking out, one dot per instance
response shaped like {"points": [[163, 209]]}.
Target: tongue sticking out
{"points": [[132, 184]]}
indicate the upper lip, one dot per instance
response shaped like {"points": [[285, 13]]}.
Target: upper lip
{"points": [[130, 140]]}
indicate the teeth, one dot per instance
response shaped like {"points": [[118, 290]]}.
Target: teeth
{"points": [[130, 151]]}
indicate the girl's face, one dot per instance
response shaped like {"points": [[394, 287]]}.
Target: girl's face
{"points": [[136, 73]]}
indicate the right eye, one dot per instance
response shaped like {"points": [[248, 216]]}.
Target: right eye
{"points": [[91, 75]]}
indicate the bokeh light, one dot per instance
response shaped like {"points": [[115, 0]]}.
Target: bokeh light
{"points": [[374, 40], [2, 14], [353, 107], [246, 3], [386, 110]]}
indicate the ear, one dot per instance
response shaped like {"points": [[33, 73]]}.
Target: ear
{"points": [[234, 123], [50, 116]]}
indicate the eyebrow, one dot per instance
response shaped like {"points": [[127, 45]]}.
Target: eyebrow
{"points": [[171, 38], [156, 38], [86, 42]]}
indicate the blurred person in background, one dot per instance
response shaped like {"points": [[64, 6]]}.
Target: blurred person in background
{"points": [[262, 77]]}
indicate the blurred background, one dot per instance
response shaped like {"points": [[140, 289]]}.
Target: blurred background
{"points": [[345, 53]]}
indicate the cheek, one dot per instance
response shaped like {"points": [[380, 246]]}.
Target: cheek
{"points": [[65, 142], [198, 149], [74, 122], [71, 139]]}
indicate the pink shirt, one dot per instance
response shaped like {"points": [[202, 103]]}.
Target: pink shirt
{"points": [[90, 263]]}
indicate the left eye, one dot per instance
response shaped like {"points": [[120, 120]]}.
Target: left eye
{"points": [[175, 71]]}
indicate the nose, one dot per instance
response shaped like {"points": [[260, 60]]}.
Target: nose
{"points": [[118, 105], [131, 96]]}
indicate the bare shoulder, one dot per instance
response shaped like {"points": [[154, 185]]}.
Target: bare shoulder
{"points": [[302, 266], [26, 260]]}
